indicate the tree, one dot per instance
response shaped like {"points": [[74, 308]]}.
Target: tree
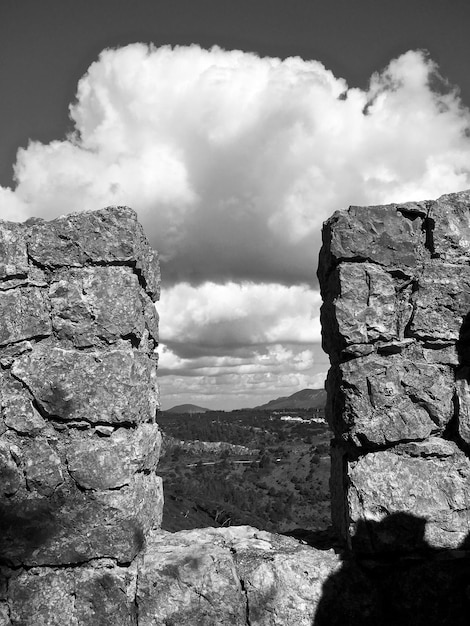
{"points": [[265, 461]]}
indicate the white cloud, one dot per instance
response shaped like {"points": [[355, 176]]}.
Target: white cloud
{"points": [[236, 345], [234, 315], [232, 162], [240, 381]]}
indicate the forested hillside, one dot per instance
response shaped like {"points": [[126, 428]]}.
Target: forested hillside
{"points": [[278, 481]]}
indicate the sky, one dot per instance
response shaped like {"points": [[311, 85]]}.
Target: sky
{"points": [[234, 129]]}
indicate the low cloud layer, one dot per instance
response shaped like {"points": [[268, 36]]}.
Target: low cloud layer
{"points": [[232, 162], [222, 318], [245, 378], [244, 342]]}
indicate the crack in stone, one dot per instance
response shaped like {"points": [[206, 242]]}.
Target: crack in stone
{"points": [[34, 338], [95, 563], [451, 432], [50, 269], [63, 421], [247, 601]]}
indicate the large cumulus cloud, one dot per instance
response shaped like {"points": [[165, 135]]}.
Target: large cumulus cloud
{"points": [[232, 162]]}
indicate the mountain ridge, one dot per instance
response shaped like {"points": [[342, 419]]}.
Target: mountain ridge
{"points": [[187, 408], [303, 399]]}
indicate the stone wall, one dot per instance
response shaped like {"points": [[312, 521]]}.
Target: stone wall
{"points": [[80, 502], [395, 282], [78, 400]]}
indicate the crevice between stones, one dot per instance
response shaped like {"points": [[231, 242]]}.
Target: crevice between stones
{"points": [[354, 451], [25, 282], [35, 339], [247, 602], [407, 332], [428, 228], [93, 562], [451, 431], [49, 269], [58, 419], [411, 214], [135, 602]]}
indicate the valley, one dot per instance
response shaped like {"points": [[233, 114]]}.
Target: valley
{"points": [[266, 468]]}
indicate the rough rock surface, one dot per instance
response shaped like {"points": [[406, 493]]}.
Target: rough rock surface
{"points": [[386, 399], [78, 397], [98, 593], [81, 504], [427, 479], [240, 576], [395, 283], [111, 386], [230, 576], [206, 577]]}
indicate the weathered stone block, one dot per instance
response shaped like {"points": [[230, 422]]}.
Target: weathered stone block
{"points": [[392, 236], [109, 236], [24, 313], [78, 398], [426, 480], [99, 303], [377, 400], [86, 596], [13, 252], [442, 300], [232, 576], [450, 217], [73, 526], [8, 354], [116, 386], [463, 405], [191, 582], [396, 287], [12, 478], [42, 467], [364, 304], [109, 462], [16, 408], [286, 586]]}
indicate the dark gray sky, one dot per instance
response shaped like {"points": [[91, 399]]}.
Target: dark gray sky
{"points": [[47, 45]]}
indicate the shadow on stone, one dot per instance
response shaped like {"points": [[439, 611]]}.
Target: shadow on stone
{"points": [[24, 527], [30, 517], [57, 403], [463, 348], [391, 586]]}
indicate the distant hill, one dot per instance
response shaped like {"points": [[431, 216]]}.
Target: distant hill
{"points": [[187, 408], [304, 399]]}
